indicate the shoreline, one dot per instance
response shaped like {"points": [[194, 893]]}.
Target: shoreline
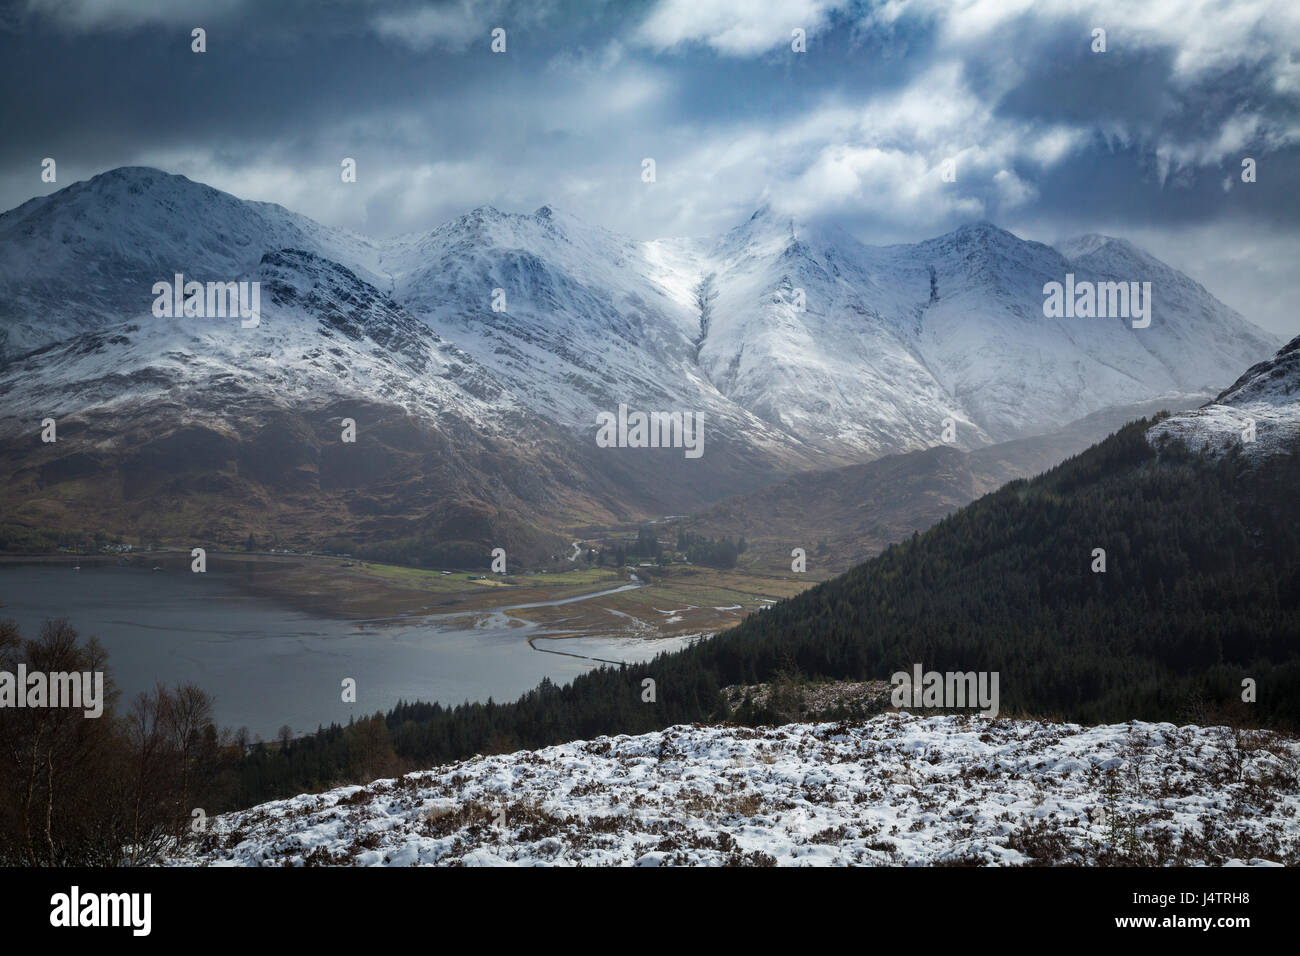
{"points": [[586, 602]]}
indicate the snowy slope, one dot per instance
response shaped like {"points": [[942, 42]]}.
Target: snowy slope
{"points": [[892, 341], [200, 427], [89, 254], [324, 334], [844, 370], [1268, 395], [591, 320], [897, 789], [1199, 337], [889, 343]]}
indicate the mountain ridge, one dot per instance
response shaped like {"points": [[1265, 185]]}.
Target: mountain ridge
{"points": [[801, 348]]}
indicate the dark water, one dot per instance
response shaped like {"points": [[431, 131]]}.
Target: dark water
{"points": [[268, 665]]}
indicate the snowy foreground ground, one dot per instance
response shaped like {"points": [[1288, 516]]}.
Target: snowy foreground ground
{"points": [[894, 790]]}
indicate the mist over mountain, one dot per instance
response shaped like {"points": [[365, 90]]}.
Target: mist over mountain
{"points": [[497, 338]]}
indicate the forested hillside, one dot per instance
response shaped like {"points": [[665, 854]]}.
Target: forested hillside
{"points": [[1201, 590]]}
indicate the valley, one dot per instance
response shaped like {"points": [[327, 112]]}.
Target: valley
{"points": [[673, 601], [796, 351], [894, 460], [798, 433]]}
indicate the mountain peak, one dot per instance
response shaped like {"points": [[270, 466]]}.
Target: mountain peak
{"points": [[765, 223], [137, 179], [982, 230], [981, 237], [135, 172], [1086, 245], [950, 327]]}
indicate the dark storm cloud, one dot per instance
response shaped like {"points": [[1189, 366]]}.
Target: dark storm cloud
{"points": [[1049, 137]]}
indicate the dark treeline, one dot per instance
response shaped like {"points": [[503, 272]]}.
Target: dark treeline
{"points": [[1201, 590], [722, 553], [28, 540], [424, 550], [646, 546]]}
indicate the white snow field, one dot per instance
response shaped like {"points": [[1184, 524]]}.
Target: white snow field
{"points": [[1265, 400], [898, 789]]}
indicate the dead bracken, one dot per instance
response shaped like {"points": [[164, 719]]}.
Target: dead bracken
{"points": [[895, 789]]}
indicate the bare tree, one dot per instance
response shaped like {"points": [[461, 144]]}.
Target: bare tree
{"points": [[147, 731], [46, 816], [189, 711]]}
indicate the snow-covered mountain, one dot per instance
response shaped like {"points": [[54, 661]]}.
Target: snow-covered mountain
{"points": [[801, 347], [324, 334], [800, 339], [204, 429], [899, 789], [89, 254], [1259, 413], [894, 339], [591, 320]]}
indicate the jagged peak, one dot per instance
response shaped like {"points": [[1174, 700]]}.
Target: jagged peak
{"points": [[1089, 243], [1278, 376], [763, 221], [980, 229]]}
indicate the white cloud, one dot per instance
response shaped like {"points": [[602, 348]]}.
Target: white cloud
{"points": [[452, 26], [388, 197], [1049, 146], [890, 183], [1012, 190], [882, 157], [732, 27], [1208, 38], [119, 14]]}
